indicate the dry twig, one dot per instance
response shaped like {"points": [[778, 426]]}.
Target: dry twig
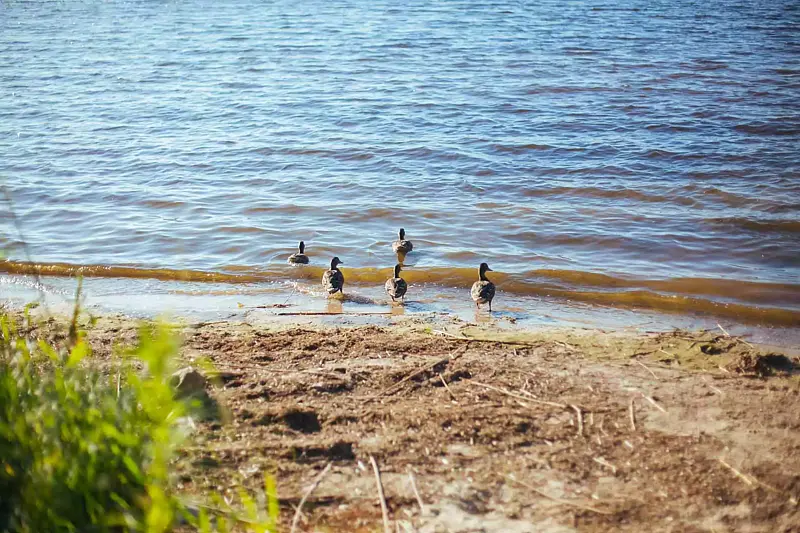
{"points": [[645, 367], [517, 396], [652, 401], [712, 387], [632, 416], [752, 480], [478, 339], [580, 419], [416, 492], [446, 386], [308, 492], [736, 472], [447, 334], [384, 510], [601, 461], [424, 368], [322, 313], [668, 353], [559, 500]]}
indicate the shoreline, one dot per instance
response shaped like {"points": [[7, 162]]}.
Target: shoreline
{"points": [[559, 430], [768, 304], [303, 303]]}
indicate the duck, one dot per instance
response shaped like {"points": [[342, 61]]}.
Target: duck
{"points": [[402, 245], [483, 290], [333, 279], [396, 286], [299, 258]]}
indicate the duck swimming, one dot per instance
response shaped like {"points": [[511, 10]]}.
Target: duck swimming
{"points": [[402, 245], [299, 258], [396, 286], [333, 279], [483, 289]]}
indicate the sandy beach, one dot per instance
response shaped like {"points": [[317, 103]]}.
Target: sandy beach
{"points": [[475, 428]]}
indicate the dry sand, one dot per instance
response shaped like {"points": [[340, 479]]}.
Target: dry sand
{"points": [[477, 429]]}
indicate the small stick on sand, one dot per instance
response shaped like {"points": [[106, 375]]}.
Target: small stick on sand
{"points": [[652, 401], [643, 366], [308, 492], [384, 510], [736, 472], [453, 396], [601, 461], [737, 339], [446, 334], [323, 313], [559, 500], [752, 480], [580, 419], [668, 353], [517, 396], [493, 341], [632, 416], [712, 387], [416, 492], [397, 386]]}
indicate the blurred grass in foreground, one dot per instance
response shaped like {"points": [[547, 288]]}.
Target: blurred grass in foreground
{"points": [[84, 451]]}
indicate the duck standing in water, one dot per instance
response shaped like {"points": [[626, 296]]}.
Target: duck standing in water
{"points": [[483, 289], [333, 279], [396, 286], [299, 258], [402, 246]]}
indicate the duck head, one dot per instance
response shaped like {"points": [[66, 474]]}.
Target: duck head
{"points": [[397, 269], [402, 234], [302, 247], [335, 262], [483, 270]]}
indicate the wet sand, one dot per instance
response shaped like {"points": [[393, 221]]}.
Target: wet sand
{"points": [[550, 430]]}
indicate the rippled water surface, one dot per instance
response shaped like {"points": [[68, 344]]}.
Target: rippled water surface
{"points": [[635, 153]]}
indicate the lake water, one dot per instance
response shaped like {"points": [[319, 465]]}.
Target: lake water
{"points": [[628, 154]]}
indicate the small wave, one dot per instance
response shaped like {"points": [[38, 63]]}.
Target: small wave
{"points": [[671, 128], [615, 194], [758, 225], [746, 301], [240, 229], [766, 129], [164, 204], [340, 155], [522, 148], [582, 51], [728, 198], [569, 90]]}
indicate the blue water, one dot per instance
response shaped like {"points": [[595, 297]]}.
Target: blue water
{"points": [[642, 140]]}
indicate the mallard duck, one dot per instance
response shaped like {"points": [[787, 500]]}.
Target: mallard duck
{"points": [[483, 289], [402, 245], [299, 258], [396, 286], [333, 280]]}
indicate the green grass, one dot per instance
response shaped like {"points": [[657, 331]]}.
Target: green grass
{"points": [[85, 451]]}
